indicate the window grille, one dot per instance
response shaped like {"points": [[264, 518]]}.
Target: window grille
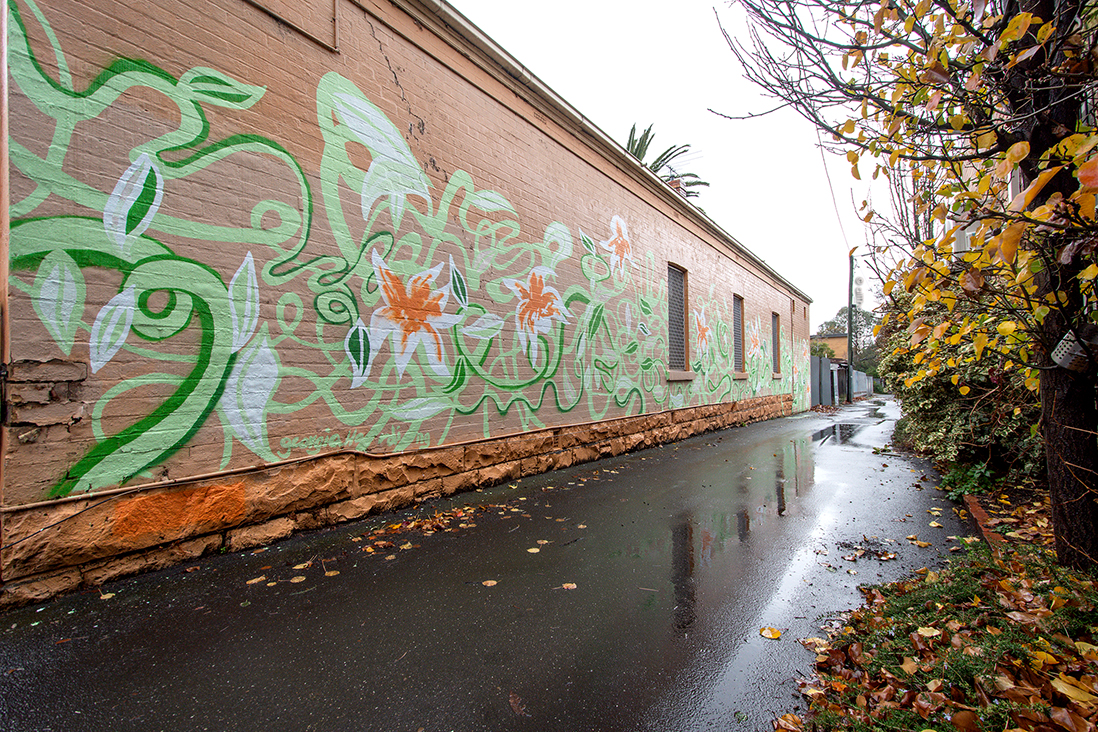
{"points": [[776, 341], [737, 332], [676, 318]]}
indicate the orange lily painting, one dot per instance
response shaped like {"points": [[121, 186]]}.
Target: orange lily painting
{"points": [[413, 315], [619, 246], [539, 306]]}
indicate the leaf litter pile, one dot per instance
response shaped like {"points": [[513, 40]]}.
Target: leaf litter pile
{"points": [[1002, 640]]}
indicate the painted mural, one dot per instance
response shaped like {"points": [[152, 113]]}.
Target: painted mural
{"points": [[405, 311]]}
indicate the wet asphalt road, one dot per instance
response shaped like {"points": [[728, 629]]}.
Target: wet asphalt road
{"points": [[678, 556]]}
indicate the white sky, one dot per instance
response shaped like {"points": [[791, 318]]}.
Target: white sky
{"points": [[644, 62]]}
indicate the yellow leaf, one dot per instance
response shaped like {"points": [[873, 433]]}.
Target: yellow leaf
{"points": [[533, 550], [852, 156], [1006, 327], [1089, 273], [980, 343], [1018, 152], [569, 586], [929, 632], [771, 633], [489, 583], [934, 525], [1069, 688], [964, 390], [298, 578], [854, 172], [955, 378], [254, 580]]}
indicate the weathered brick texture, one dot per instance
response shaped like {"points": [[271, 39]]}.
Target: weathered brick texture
{"points": [[299, 262]]}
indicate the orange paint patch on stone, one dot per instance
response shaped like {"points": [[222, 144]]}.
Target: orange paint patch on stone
{"points": [[204, 508]]}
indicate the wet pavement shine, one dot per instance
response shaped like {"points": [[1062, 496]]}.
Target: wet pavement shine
{"points": [[641, 609]]}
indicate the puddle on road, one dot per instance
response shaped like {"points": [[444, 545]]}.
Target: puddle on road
{"points": [[839, 433]]}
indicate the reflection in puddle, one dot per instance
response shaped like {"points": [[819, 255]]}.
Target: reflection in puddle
{"points": [[682, 571], [840, 432]]}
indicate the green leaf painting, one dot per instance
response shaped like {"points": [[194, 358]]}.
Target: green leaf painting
{"points": [[394, 306]]}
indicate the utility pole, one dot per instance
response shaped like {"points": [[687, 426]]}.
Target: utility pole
{"points": [[850, 332]]}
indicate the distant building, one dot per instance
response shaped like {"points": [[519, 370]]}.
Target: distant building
{"points": [[837, 342]]}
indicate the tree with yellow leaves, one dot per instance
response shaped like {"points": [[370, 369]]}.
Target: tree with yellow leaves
{"points": [[987, 108]]}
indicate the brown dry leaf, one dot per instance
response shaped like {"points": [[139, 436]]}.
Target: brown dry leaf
{"points": [[298, 578], [965, 721], [582, 526], [407, 545], [105, 595], [569, 585], [303, 565], [489, 583], [909, 666], [331, 573], [517, 706], [788, 723], [542, 542], [934, 525], [923, 544], [254, 580], [771, 633], [390, 557]]}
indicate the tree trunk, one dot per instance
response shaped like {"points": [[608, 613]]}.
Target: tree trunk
{"points": [[1070, 421]]}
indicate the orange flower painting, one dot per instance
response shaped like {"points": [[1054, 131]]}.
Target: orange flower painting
{"points": [[414, 314], [619, 246], [539, 306], [702, 329]]}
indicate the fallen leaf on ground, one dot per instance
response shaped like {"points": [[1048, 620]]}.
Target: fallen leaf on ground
{"points": [[298, 578], [331, 573], [569, 586], [254, 580], [517, 705], [489, 583], [771, 633], [533, 550]]}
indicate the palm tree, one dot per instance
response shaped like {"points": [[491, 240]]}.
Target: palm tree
{"points": [[662, 165]]}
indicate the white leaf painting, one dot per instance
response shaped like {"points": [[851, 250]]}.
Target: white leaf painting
{"points": [[58, 297], [420, 409], [248, 391], [133, 203], [244, 303], [486, 326], [394, 171], [489, 201], [111, 328], [357, 346]]}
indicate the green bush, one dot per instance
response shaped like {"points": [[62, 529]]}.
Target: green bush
{"points": [[989, 432]]}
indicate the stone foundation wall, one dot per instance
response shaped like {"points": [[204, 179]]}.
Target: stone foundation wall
{"points": [[61, 547]]}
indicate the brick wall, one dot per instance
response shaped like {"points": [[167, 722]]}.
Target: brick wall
{"points": [[248, 234]]}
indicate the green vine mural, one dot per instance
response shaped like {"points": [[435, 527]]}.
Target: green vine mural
{"points": [[431, 311]]}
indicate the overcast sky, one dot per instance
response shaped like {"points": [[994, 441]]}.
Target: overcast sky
{"points": [[667, 63]]}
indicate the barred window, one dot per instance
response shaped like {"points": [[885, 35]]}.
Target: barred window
{"points": [[776, 341], [737, 332], [676, 318]]}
